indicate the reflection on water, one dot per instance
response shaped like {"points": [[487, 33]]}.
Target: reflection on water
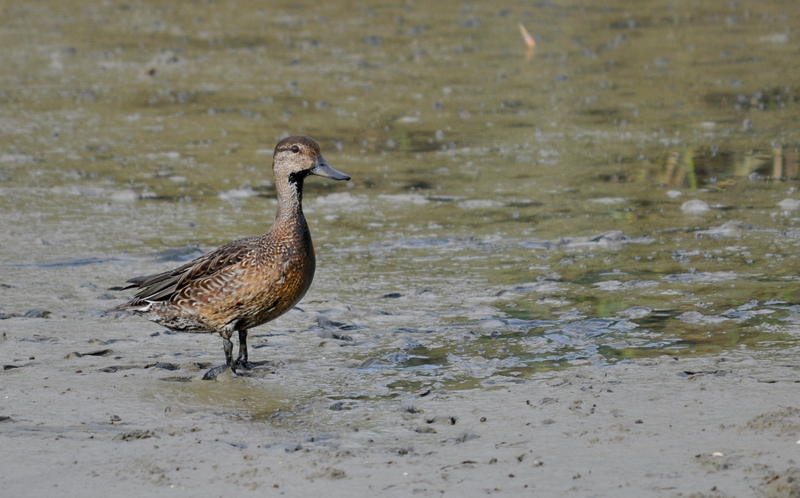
{"points": [[695, 167], [614, 196]]}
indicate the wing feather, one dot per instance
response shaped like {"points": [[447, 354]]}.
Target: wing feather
{"points": [[162, 286]]}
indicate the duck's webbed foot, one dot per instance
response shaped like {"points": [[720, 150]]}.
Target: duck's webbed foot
{"points": [[244, 365], [241, 360], [215, 372]]}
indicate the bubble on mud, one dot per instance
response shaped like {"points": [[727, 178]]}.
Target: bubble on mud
{"points": [[238, 193], [545, 286], [624, 325], [126, 195], [612, 240], [777, 38], [480, 204], [338, 199], [789, 204], [733, 228], [743, 315], [616, 285], [407, 119], [635, 312], [159, 156], [608, 200], [416, 199], [695, 206], [16, 158], [719, 276], [491, 323], [695, 317]]}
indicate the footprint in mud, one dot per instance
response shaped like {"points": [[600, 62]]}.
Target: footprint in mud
{"points": [[219, 373], [783, 422], [102, 352], [223, 373], [117, 368]]}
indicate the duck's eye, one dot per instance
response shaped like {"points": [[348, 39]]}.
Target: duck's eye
{"points": [[295, 149]]}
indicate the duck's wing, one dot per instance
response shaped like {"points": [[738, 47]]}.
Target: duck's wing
{"points": [[162, 286]]}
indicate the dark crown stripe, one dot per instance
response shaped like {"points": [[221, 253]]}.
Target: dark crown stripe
{"points": [[286, 143]]}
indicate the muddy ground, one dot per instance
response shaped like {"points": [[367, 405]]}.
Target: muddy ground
{"points": [[94, 425], [568, 269]]}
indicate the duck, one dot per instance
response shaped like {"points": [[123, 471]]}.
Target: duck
{"points": [[247, 282]]}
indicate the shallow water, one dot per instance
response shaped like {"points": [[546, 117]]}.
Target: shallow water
{"points": [[626, 191]]}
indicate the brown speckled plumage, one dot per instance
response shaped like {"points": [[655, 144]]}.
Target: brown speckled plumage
{"points": [[249, 281]]}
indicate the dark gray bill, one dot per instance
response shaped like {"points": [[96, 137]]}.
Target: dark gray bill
{"points": [[321, 168]]}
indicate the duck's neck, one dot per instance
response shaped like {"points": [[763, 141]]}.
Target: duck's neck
{"points": [[290, 200]]}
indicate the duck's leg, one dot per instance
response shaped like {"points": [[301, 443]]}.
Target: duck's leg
{"points": [[227, 345], [241, 360]]}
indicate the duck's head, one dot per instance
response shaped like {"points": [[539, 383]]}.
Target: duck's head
{"points": [[299, 156]]}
